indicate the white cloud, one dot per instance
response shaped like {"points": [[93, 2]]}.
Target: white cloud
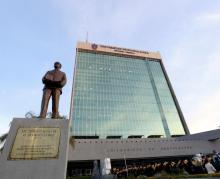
{"points": [[208, 19], [194, 64], [108, 21], [207, 114]]}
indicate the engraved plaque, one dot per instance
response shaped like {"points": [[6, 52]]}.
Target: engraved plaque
{"points": [[36, 143]]}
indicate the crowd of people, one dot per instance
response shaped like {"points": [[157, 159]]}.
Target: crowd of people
{"points": [[198, 164]]}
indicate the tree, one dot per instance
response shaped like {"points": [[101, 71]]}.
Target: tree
{"points": [[2, 140], [30, 114]]}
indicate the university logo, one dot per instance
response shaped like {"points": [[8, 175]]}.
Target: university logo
{"points": [[94, 46]]}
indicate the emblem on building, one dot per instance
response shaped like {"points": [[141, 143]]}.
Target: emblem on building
{"points": [[94, 46]]}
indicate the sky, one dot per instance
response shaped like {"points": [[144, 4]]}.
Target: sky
{"points": [[35, 34]]}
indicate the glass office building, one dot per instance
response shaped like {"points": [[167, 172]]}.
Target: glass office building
{"points": [[120, 92]]}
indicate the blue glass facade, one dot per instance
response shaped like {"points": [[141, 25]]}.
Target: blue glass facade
{"points": [[122, 96]]}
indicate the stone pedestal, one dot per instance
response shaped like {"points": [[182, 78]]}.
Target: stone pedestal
{"points": [[35, 149]]}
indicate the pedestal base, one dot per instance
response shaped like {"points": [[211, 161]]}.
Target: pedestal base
{"points": [[35, 149]]}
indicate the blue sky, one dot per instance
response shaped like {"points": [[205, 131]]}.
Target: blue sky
{"points": [[34, 34]]}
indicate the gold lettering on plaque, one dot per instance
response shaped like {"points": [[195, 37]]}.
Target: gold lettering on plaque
{"points": [[36, 143]]}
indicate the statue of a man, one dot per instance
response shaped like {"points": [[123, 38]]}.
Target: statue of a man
{"points": [[53, 81]]}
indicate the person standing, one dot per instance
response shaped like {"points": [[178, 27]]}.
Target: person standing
{"points": [[209, 167], [216, 160], [95, 171], [53, 81]]}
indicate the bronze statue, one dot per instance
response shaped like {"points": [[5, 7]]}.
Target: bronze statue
{"points": [[53, 81]]}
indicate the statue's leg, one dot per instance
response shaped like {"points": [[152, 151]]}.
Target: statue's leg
{"points": [[44, 102], [55, 103]]}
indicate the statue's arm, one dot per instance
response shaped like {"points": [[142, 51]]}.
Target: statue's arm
{"points": [[63, 82], [46, 79]]}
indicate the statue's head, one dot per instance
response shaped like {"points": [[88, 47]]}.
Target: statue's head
{"points": [[57, 65]]}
